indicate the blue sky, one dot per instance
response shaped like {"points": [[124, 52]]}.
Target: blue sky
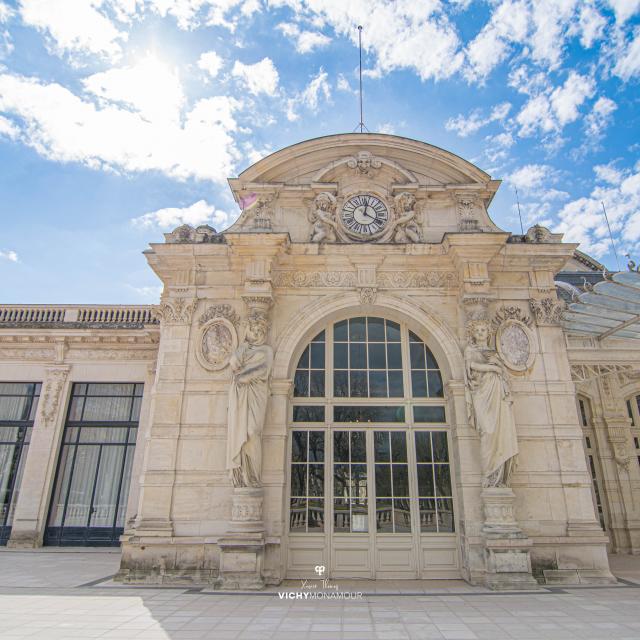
{"points": [[121, 119]]}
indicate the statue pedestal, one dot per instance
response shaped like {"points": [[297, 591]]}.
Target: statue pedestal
{"points": [[508, 564], [242, 547]]}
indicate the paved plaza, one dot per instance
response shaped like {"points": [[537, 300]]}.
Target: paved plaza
{"points": [[64, 594]]}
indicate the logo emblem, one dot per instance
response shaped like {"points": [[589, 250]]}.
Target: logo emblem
{"points": [[320, 569]]}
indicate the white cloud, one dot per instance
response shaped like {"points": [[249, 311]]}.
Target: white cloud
{"points": [[8, 254], [591, 24], [624, 9], [310, 96], [200, 212], [582, 220], [466, 125], [401, 35], [261, 77], [531, 177], [150, 293], [210, 62], [305, 41], [7, 128], [600, 117], [5, 12], [150, 87], [628, 63], [554, 108], [64, 127], [386, 127], [74, 26]]}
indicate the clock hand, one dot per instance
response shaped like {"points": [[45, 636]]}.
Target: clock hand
{"points": [[368, 215]]}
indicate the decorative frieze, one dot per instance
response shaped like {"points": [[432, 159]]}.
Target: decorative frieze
{"points": [[299, 279], [547, 310], [417, 279], [27, 354]]}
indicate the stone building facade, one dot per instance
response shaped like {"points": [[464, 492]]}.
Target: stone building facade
{"points": [[363, 373]]}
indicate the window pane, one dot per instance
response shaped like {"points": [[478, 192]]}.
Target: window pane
{"points": [[358, 355], [428, 522], [301, 384], [14, 407], [418, 383], [396, 388], [393, 331], [358, 384], [416, 350], [299, 446], [425, 480], [316, 389], [105, 497], [303, 363], [308, 414], [103, 434], [445, 516], [109, 408], [381, 446], [320, 337], [316, 480], [298, 514], [135, 409], [57, 502], [428, 414], [341, 446], [341, 355], [317, 355], [357, 329], [443, 479], [383, 480], [359, 481], [341, 515], [316, 446], [358, 447], [341, 480], [298, 479], [431, 361], [440, 450], [384, 515], [316, 514], [378, 384], [340, 331], [435, 384], [110, 389], [402, 516], [394, 356], [359, 516], [377, 357], [401, 480], [368, 414], [398, 446], [75, 411], [340, 384], [376, 329], [82, 482], [423, 446]]}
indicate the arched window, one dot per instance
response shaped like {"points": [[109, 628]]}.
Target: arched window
{"points": [[369, 441]]}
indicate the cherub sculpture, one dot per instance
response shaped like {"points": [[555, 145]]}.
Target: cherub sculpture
{"points": [[406, 227], [323, 218]]}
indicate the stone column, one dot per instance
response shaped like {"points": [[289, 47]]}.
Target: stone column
{"points": [[30, 518]]}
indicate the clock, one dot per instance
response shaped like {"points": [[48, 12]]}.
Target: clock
{"points": [[364, 215]]}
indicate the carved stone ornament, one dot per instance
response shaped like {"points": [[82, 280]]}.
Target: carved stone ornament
{"points": [[217, 340], [368, 295], [219, 311], [407, 227], [515, 344], [468, 210], [303, 279], [322, 216], [176, 310], [50, 397], [547, 310], [417, 279], [511, 312], [187, 234], [262, 214], [364, 163], [539, 234]]}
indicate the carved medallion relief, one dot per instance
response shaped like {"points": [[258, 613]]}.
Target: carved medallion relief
{"points": [[218, 337]]}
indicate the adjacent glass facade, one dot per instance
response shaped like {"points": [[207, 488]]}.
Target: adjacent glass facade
{"points": [[18, 406], [94, 468]]}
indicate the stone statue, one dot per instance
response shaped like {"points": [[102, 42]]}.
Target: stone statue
{"points": [[406, 225], [490, 406], [323, 217], [248, 396]]}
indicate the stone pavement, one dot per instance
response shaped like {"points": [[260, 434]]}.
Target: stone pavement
{"points": [[63, 594]]}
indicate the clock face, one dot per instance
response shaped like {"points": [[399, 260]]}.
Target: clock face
{"points": [[364, 215]]}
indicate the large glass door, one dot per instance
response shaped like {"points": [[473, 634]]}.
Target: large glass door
{"points": [[18, 406], [94, 471]]}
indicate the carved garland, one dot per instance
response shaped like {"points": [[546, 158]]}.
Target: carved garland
{"points": [[54, 382], [547, 310]]}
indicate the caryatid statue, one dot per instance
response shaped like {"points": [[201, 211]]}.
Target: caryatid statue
{"points": [[491, 406], [248, 396]]}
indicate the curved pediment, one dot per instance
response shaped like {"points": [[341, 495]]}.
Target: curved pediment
{"points": [[441, 192]]}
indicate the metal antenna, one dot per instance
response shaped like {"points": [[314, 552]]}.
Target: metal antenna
{"points": [[361, 124], [613, 244], [519, 212]]}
